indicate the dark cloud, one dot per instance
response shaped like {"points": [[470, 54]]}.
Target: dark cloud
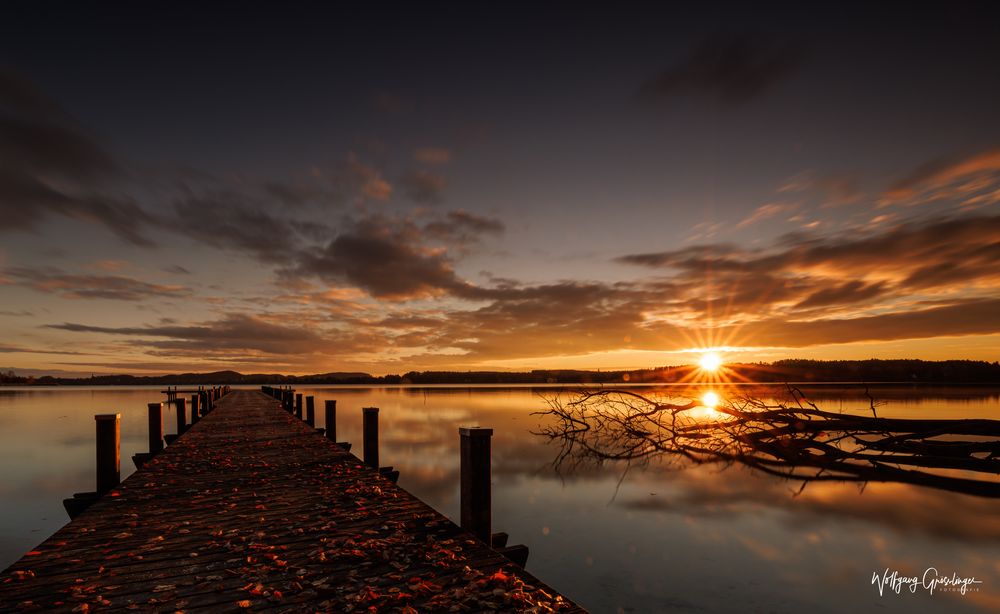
{"points": [[233, 332], [176, 269], [424, 188], [233, 220], [26, 201], [36, 135], [296, 194], [385, 257], [17, 349], [49, 166], [461, 228], [562, 318], [968, 317], [850, 292], [113, 287], [686, 258], [730, 69], [396, 258]]}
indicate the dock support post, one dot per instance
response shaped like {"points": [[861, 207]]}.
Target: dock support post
{"points": [[331, 420], [195, 407], [155, 427], [311, 411], [370, 424], [298, 405], [109, 472], [476, 501], [181, 416], [155, 435]]}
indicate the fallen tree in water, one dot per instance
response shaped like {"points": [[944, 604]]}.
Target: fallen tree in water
{"points": [[792, 439]]}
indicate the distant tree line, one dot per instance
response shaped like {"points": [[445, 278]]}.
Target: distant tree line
{"points": [[971, 371], [947, 371], [870, 371], [9, 377]]}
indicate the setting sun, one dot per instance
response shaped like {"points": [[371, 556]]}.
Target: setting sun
{"points": [[710, 362], [710, 399]]}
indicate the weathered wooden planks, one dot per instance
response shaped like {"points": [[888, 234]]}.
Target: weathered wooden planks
{"points": [[253, 509]]}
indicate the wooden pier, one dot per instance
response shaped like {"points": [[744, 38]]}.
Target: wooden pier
{"points": [[254, 509]]}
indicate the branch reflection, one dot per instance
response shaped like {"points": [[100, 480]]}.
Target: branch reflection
{"points": [[791, 439]]}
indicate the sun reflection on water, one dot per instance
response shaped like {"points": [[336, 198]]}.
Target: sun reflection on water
{"points": [[710, 399]]}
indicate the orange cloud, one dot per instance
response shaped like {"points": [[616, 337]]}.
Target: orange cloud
{"points": [[940, 174]]}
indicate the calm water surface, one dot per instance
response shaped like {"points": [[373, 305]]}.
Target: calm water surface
{"points": [[656, 538]]}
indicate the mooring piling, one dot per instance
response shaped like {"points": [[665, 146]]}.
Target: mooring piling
{"points": [[155, 411], [155, 427], [476, 504], [476, 493], [330, 407], [181, 415], [311, 411], [109, 472], [370, 437]]}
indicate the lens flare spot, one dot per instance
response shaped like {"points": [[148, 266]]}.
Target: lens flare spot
{"points": [[710, 399]]}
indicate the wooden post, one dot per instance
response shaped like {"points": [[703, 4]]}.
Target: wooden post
{"points": [[194, 410], [109, 472], [155, 427], [310, 411], [476, 501], [331, 420], [298, 405], [195, 406], [370, 422], [181, 416]]}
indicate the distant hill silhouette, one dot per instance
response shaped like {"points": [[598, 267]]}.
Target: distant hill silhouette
{"points": [[870, 371]]}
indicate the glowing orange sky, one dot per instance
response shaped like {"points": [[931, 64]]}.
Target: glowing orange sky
{"points": [[349, 198]]}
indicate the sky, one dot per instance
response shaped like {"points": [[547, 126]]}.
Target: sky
{"points": [[320, 188]]}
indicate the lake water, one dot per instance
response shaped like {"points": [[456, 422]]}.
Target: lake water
{"points": [[664, 536]]}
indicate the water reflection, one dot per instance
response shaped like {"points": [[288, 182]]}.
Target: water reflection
{"points": [[674, 538]]}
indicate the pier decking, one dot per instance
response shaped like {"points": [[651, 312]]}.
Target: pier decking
{"points": [[253, 509]]}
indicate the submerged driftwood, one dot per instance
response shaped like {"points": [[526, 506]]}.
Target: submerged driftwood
{"points": [[792, 439]]}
